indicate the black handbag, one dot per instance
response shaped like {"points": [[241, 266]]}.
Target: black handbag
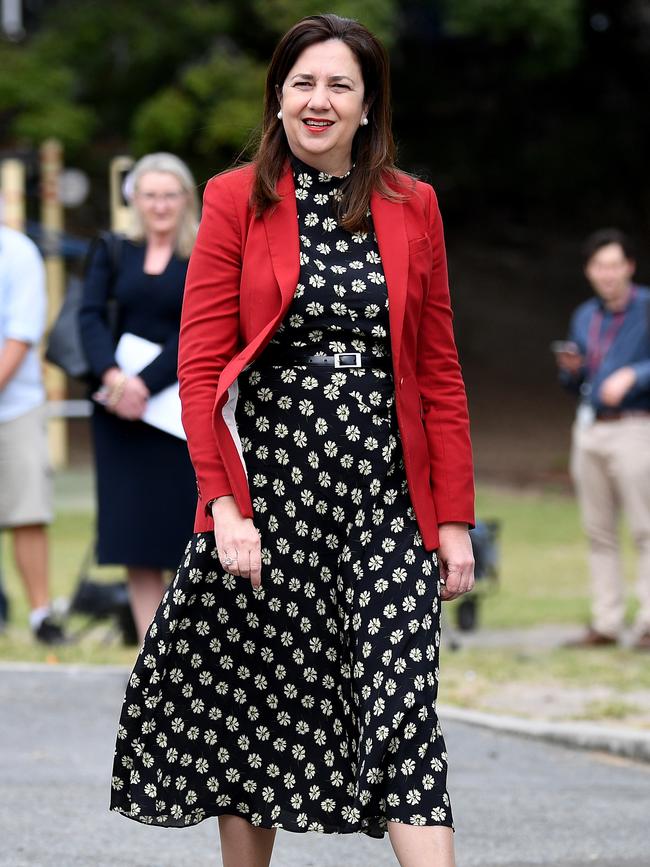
{"points": [[63, 346]]}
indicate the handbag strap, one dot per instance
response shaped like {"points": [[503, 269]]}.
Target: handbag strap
{"points": [[114, 244]]}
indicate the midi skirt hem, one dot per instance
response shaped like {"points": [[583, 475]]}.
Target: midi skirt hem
{"points": [[286, 820]]}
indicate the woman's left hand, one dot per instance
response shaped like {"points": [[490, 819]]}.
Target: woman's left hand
{"points": [[455, 560]]}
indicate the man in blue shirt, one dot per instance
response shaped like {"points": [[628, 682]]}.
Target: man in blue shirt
{"points": [[25, 496], [607, 363]]}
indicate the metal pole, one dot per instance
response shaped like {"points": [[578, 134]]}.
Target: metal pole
{"points": [[12, 184], [12, 18], [51, 154], [120, 210]]}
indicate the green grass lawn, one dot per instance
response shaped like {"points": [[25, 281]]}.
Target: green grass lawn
{"points": [[543, 579], [70, 537], [543, 560], [543, 575], [611, 683]]}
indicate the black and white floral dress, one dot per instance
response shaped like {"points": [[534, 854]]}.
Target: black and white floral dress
{"points": [[309, 703]]}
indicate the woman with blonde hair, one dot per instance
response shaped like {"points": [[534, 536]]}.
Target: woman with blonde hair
{"points": [[134, 285]]}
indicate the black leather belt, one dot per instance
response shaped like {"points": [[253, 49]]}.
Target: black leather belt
{"points": [[338, 360], [617, 415]]}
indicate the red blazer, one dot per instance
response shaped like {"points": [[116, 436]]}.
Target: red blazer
{"points": [[240, 282]]}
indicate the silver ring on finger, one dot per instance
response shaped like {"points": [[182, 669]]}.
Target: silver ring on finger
{"points": [[228, 560]]}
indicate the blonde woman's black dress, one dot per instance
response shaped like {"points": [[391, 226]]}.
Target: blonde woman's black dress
{"points": [[308, 704], [146, 487]]}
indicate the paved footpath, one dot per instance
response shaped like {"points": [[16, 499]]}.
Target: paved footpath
{"points": [[518, 802]]}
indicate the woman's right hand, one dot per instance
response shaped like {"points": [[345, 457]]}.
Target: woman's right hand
{"points": [[133, 399], [238, 542], [126, 396]]}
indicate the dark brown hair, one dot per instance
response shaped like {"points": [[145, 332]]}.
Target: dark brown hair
{"points": [[373, 148], [603, 238]]}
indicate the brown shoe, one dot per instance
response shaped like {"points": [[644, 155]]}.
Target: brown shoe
{"points": [[642, 642], [593, 638]]}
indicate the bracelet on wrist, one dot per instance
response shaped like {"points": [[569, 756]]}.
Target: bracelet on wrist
{"points": [[116, 391]]}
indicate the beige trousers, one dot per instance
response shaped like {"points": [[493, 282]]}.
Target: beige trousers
{"points": [[610, 465], [25, 473]]}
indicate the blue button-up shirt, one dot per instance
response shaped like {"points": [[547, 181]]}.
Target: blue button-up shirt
{"points": [[22, 317], [630, 347]]}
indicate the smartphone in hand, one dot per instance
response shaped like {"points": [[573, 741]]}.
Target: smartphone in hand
{"points": [[568, 346], [567, 356]]}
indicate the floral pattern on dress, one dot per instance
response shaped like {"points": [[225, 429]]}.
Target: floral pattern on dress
{"points": [[309, 703]]}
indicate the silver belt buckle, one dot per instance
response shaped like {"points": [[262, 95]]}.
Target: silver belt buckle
{"points": [[347, 359]]}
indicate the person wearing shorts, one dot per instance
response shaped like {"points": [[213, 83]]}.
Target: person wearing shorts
{"points": [[25, 475]]}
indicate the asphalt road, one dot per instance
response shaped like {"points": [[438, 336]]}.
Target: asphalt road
{"points": [[517, 802]]}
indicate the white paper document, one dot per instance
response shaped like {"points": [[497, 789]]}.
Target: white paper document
{"points": [[163, 410]]}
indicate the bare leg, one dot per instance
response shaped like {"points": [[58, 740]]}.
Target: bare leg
{"points": [[31, 555], [430, 846], [244, 845], [146, 589]]}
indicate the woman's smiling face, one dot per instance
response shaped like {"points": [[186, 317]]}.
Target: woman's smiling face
{"points": [[322, 101], [161, 200]]}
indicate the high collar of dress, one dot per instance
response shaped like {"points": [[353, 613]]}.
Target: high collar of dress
{"points": [[313, 177]]}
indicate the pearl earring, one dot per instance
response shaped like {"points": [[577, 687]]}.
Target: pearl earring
{"points": [[280, 115], [364, 121]]}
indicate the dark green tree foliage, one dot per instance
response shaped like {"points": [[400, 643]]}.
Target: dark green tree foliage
{"points": [[497, 101], [378, 15], [156, 74], [213, 107], [111, 58], [37, 100], [549, 31]]}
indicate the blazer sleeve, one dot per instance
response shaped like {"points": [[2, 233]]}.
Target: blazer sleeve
{"points": [[573, 382], [209, 334], [442, 391], [96, 337], [162, 370]]}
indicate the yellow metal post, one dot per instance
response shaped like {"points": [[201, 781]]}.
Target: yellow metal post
{"points": [[120, 211], [51, 155], [12, 184]]}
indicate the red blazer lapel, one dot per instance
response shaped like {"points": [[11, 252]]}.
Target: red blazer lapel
{"points": [[281, 225], [390, 228], [281, 228]]}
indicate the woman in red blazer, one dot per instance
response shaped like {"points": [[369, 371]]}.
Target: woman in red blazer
{"points": [[327, 423]]}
